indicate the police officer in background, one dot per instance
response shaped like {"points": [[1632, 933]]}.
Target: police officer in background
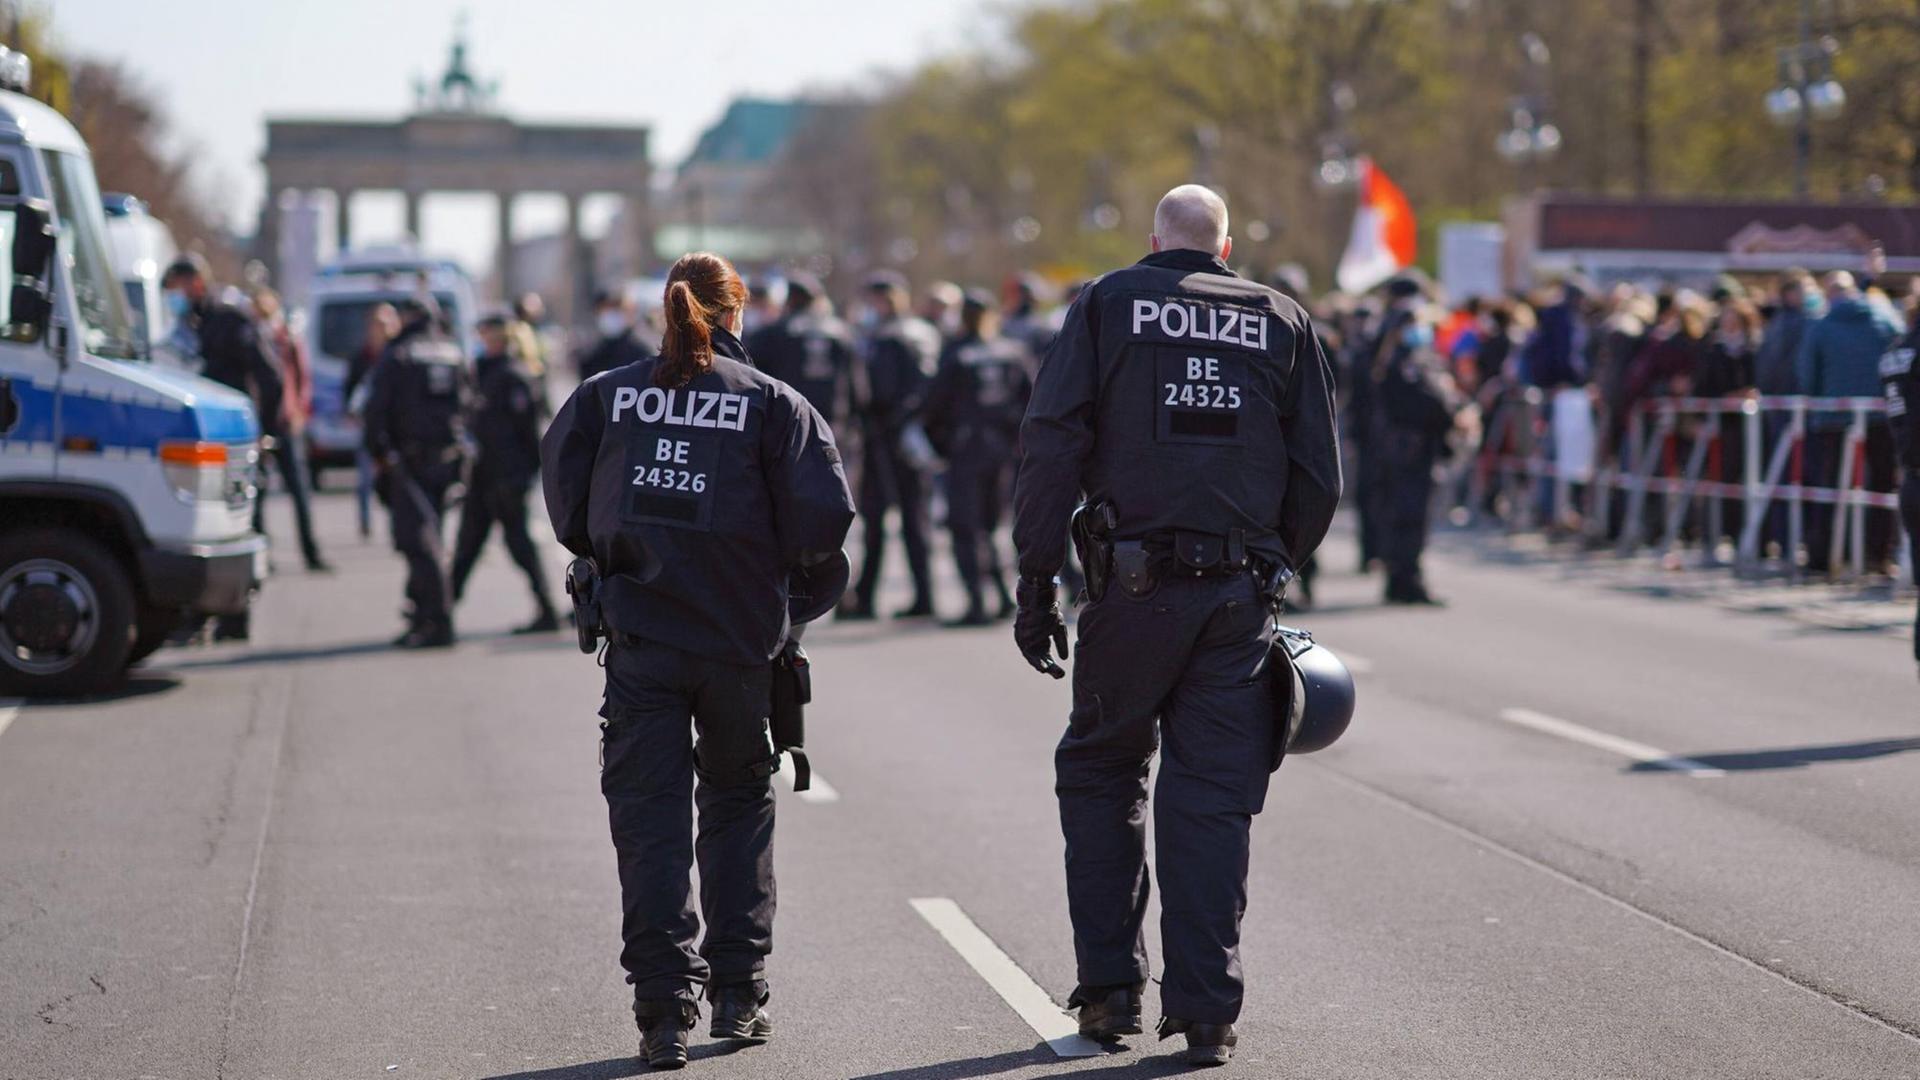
{"points": [[618, 343], [417, 404], [1195, 410], [698, 485], [1415, 404], [979, 395], [1900, 378], [1404, 297], [1027, 321], [810, 350], [897, 366], [508, 410], [940, 306]]}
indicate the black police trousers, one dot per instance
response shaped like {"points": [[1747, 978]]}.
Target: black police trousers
{"points": [[1910, 517], [976, 488], [1183, 666], [289, 459], [417, 501], [649, 766], [888, 480], [1407, 506], [504, 502]]}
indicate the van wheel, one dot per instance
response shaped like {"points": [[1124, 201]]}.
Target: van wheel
{"points": [[66, 614], [152, 627]]}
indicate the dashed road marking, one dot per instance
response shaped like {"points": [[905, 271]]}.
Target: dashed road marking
{"points": [[818, 791], [9, 709], [1627, 748], [1015, 987]]}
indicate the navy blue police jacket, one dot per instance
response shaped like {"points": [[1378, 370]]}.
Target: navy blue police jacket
{"points": [[696, 501], [1193, 399], [1900, 381], [419, 398], [813, 353], [979, 394]]}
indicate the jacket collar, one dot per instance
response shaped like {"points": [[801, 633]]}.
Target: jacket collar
{"points": [[725, 344], [1189, 259]]}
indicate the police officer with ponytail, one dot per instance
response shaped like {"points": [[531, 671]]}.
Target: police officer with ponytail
{"points": [[1195, 410], [699, 488]]}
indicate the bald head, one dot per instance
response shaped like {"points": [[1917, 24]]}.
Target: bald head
{"points": [[1191, 216]]}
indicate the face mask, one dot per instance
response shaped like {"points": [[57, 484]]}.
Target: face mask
{"points": [[177, 304], [1417, 336], [612, 324]]}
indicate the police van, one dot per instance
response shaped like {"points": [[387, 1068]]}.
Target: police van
{"points": [[126, 490], [344, 294], [141, 247]]}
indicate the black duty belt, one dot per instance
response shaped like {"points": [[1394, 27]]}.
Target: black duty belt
{"points": [[1187, 553]]}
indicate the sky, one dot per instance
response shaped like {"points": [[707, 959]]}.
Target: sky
{"points": [[220, 68]]}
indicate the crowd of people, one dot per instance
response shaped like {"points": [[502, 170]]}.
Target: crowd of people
{"points": [[1558, 374], [924, 394], [926, 391]]}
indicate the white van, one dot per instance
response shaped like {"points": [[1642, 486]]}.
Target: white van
{"points": [[141, 247], [344, 293], [126, 489]]}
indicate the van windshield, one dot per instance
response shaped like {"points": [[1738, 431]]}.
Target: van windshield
{"points": [[106, 328], [342, 329]]}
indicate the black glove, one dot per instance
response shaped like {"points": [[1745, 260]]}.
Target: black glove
{"points": [[1038, 624]]}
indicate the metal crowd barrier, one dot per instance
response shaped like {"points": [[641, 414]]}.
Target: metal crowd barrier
{"points": [[1648, 464]]}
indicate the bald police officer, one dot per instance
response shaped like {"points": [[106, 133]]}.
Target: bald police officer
{"points": [[1195, 408]]}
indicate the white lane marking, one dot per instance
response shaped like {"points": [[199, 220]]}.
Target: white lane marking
{"points": [[819, 791], [1381, 795], [1015, 987], [8, 710], [1627, 748]]}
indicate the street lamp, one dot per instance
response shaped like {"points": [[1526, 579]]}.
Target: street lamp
{"points": [[1339, 168], [1531, 137], [1807, 92]]}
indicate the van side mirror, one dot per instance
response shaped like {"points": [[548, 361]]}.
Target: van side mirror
{"points": [[33, 241]]}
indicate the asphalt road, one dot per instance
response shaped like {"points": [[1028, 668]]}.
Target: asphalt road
{"points": [[311, 856]]}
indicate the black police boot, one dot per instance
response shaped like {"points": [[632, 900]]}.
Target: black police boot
{"points": [[434, 635], [739, 1012], [545, 622], [663, 1031], [976, 616], [855, 610], [1108, 1012], [921, 608], [1207, 1044]]}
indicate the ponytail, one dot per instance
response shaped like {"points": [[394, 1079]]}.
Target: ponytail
{"points": [[702, 289]]}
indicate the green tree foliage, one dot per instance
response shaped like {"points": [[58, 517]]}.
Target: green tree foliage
{"points": [[1089, 104]]}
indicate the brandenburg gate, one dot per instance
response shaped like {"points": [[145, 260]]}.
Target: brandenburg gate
{"points": [[455, 141]]}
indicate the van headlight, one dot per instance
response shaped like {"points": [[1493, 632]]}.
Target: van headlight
{"points": [[210, 471]]}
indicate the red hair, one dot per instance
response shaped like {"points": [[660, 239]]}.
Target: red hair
{"points": [[703, 291]]}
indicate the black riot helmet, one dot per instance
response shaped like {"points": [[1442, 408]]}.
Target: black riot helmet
{"points": [[812, 591], [1314, 697]]}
